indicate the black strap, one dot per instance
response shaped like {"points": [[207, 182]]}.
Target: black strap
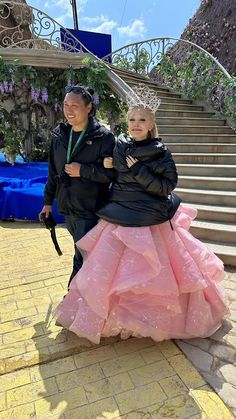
{"points": [[54, 239], [171, 225]]}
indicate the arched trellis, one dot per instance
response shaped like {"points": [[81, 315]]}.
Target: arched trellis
{"points": [[24, 26], [154, 50], [194, 72], [37, 39]]}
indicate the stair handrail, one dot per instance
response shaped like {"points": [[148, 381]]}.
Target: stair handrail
{"points": [[138, 46], [185, 74], [37, 22]]}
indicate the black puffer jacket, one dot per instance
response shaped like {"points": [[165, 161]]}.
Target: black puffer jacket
{"points": [[141, 195], [85, 194]]}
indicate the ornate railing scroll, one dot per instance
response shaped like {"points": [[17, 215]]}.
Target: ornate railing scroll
{"points": [[24, 26], [184, 67], [147, 54]]}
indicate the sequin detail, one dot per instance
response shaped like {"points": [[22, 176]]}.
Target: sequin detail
{"points": [[146, 281]]}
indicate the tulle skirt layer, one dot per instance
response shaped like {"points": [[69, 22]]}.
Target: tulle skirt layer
{"points": [[147, 281]]}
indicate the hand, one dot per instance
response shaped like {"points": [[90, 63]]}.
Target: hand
{"points": [[108, 163], [73, 169], [131, 161], [46, 209]]}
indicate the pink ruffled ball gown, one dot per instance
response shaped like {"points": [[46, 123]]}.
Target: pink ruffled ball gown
{"points": [[147, 281], [143, 275]]}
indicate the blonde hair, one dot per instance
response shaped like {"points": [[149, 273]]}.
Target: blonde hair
{"points": [[153, 133]]}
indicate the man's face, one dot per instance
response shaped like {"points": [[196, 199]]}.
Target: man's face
{"points": [[75, 110]]}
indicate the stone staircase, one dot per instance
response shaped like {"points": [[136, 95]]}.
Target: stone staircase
{"points": [[204, 149]]}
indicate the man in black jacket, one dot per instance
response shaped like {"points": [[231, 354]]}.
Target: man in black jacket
{"points": [[76, 178]]}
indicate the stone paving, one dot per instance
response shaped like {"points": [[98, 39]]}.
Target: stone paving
{"points": [[48, 372], [215, 357]]}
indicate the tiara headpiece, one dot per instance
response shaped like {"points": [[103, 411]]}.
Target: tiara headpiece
{"points": [[143, 96]]}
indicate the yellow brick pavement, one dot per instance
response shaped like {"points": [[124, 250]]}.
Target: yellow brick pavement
{"points": [[47, 372]]}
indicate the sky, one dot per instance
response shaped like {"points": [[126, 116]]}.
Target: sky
{"points": [[127, 21]]}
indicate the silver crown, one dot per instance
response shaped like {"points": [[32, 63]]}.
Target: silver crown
{"points": [[143, 96]]}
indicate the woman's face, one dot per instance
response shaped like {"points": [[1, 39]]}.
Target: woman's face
{"points": [[76, 111], [139, 123]]}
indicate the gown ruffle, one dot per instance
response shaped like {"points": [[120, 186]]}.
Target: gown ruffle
{"points": [[145, 281]]}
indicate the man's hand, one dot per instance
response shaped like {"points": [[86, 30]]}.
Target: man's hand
{"points": [[46, 209], [108, 163], [131, 161], [73, 169]]}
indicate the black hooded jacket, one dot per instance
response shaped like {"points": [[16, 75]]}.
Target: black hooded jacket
{"points": [[141, 195], [85, 194]]}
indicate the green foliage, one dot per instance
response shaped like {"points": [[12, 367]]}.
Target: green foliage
{"points": [[198, 78], [12, 136], [121, 128], [137, 61], [32, 89]]}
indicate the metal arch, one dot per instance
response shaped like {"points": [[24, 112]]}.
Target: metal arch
{"points": [[43, 43], [134, 48], [34, 29]]}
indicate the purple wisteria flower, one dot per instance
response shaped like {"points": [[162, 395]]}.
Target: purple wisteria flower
{"points": [[96, 99], [11, 71], [57, 107], [195, 69], [10, 86], [2, 90], [5, 86], [69, 83], [35, 93], [44, 95]]}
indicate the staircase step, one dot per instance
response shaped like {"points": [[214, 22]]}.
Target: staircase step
{"points": [[207, 158], [203, 196], [206, 169], [189, 121], [202, 148], [226, 253], [165, 94], [214, 232], [130, 75], [152, 85], [191, 129], [166, 105], [199, 138], [214, 213], [174, 100], [184, 114], [206, 182]]}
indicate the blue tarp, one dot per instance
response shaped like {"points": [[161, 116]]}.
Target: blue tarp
{"points": [[21, 190]]}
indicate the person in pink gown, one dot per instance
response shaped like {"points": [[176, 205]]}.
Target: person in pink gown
{"points": [[144, 274]]}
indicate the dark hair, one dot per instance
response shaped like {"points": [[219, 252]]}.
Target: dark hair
{"points": [[87, 95]]}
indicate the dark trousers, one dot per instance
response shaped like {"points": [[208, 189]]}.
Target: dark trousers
{"points": [[78, 227]]}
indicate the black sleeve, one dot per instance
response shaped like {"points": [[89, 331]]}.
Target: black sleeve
{"points": [[160, 181], [96, 171], [50, 188]]}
